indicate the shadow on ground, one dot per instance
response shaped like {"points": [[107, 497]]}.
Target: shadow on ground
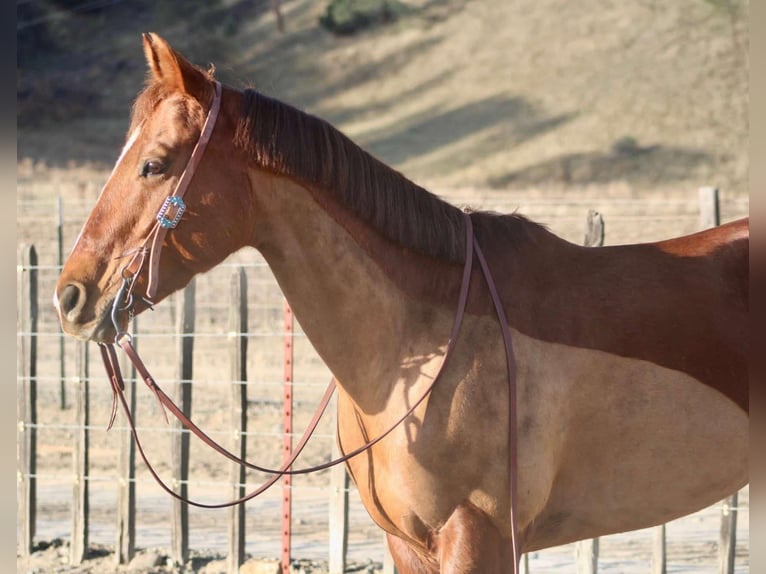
{"points": [[649, 165]]}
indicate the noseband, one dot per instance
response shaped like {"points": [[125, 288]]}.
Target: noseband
{"points": [[168, 218]]}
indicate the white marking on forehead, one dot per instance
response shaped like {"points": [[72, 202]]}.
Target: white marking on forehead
{"points": [[131, 140]]}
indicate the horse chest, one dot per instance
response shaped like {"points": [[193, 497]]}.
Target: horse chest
{"points": [[414, 479]]}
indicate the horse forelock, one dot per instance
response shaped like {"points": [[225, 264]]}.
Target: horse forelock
{"points": [[188, 111], [146, 102]]}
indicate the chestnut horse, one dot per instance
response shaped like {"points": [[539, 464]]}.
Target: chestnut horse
{"points": [[630, 361]]}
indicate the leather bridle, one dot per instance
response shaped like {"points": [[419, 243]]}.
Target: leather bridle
{"points": [[168, 218]]}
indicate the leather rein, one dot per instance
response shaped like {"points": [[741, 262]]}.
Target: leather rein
{"points": [[167, 218]]}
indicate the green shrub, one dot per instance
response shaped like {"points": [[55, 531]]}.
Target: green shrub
{"points": [[345, 17]]}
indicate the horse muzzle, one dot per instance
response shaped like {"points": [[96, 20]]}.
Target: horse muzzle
{"points": [[84, 313]]}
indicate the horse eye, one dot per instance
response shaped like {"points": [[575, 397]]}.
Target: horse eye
{"points": [[152, 167]]}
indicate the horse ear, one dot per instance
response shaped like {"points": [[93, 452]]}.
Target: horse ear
{"points": [[169, 67]]}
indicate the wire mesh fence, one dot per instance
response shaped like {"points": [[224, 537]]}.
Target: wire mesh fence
{"points": [[53, 224]]}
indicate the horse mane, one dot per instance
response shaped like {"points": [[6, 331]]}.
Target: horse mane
{"points": [[286, 141]]}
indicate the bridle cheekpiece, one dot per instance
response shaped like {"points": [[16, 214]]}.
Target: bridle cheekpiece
{"points": [[168, 217]]}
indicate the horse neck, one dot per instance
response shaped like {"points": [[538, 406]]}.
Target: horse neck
{"points": [[330, 267]]}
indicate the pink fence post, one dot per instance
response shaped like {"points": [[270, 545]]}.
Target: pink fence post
{"points": [[287, 441]]}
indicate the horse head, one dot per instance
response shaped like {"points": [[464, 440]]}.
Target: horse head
{"points": [[162, 197]]}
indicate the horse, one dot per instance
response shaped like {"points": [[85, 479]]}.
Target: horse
{"points": [[629, 363]]}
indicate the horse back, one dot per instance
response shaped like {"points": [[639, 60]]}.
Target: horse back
{"points": [[680, 303]]}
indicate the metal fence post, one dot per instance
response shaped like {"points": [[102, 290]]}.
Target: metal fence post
{"points": [[287, 441], [62, 350]]}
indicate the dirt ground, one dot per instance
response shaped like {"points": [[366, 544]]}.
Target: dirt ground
{"points": [[547, 107]]}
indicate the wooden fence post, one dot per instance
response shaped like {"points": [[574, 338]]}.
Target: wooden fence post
{"points": [[727, 541], [26, 407], [709, 217], [125, 545], [586, 551], [388, 561], [287, 440], [179, 445], [339, 482], [80, 490], [659, 550], [710, 214], [594, 229], [238, 406]]}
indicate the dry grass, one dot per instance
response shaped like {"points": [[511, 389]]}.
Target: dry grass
{"points": [[545, 106]]}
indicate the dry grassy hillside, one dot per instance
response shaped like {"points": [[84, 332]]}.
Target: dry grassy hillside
{"points": [[544, 94], [549, 106]]}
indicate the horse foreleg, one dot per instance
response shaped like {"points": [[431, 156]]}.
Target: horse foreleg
{"points": [[470, 544], [407, 560]]}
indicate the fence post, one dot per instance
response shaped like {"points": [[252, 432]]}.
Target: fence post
{"points": [[388, 561], [594, 229], [524, 564], [238, 406], [80, 491], [339, 482], [62, 350], [179, 445], [125, 546], [710, 215], [727, 541], [26, 407], [659, 555], [586, 551], [287, 440]]}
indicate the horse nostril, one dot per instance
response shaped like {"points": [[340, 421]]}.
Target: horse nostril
{"points": [[71, 300]]}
